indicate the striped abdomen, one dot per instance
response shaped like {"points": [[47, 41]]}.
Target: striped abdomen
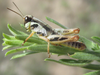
{"points": [[76, 45]]}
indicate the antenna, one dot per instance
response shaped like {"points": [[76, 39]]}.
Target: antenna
{"points": [[15, 11], [18, 8]]}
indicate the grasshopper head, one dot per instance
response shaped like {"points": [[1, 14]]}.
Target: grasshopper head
{"points": [[27, 18], [27, 22], [31, 24]]}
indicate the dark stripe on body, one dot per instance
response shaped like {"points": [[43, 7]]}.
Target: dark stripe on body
{"points": [[62, 39], [34, 25], [57, 39], [41, 33]]}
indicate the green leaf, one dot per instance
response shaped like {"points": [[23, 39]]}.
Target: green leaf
{"points": [[8, 37], [55, 22], [96, 48], [93, 73], [69, 62], [21, 55], [32, 39], [86, 55], [7, 47], [4, 44], [96, 38], [53, 49], [15, 50], [16, 43], [4, 39], [92, 66], [89, 44], [22, 26], [15, 32]]}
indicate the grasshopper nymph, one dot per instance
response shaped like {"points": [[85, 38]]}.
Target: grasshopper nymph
{"points": [[45, 32]]}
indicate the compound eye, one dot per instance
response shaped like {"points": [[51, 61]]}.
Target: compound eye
{"points": [[28, 19]]}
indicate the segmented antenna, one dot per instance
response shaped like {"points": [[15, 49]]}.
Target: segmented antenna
{"points": [[15, 11]]}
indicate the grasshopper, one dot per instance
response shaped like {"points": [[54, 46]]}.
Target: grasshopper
{"points": [[45, 32]]}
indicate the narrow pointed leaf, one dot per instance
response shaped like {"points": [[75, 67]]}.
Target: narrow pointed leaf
{"points": [[93, 73], [15, 50], [53, 49], [86, 55], [7, 47], [22, 26], [92, 66], [55, 22], [89, 44], [15, 32], [16, 43], [69, 62], [4, 44], [4, 39], [31, 39], [96, 38], [21, 55], [8, 37]]}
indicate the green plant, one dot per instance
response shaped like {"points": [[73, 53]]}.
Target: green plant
{"points": [[34, 45]]}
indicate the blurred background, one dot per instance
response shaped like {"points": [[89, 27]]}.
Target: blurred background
{"points": [[83, 14]]}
